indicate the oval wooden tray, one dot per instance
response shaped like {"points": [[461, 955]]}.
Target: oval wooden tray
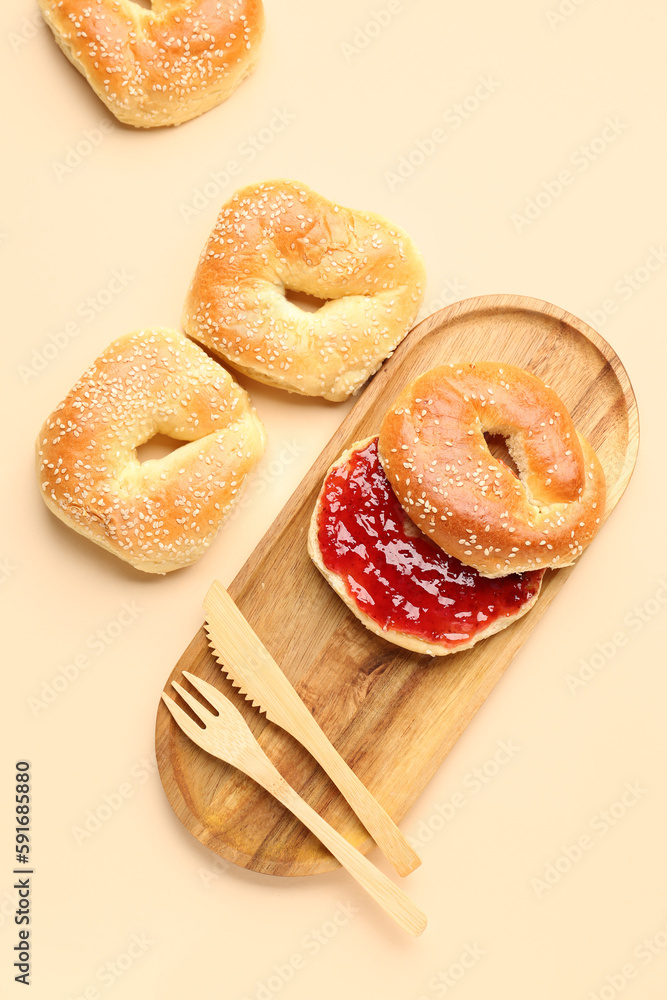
{"points": [[392, 714]]}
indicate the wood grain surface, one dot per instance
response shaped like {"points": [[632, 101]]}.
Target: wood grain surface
{"points": [[392, 714]]}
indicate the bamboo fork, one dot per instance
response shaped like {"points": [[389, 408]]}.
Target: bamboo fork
{"points": [[250, 666], [228, 737]]}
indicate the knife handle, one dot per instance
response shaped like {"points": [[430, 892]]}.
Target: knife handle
{"points": [[377, 821], [392, 899]]}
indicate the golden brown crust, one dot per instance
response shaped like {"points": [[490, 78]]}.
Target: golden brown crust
{"points": [[162, 514], [281, 235], [161, 66], [410, 642], [434, 453]]}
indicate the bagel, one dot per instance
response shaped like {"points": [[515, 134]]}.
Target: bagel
{"points": [[397, 582], [436, 458], [158, 66], [279, 236], [158, 515]]}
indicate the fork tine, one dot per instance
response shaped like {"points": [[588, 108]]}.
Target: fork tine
{"points": [[212, 694], [201, 711], [188, 725]]}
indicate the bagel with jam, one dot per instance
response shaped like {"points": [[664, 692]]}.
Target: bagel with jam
{"points": [[429, 539]]}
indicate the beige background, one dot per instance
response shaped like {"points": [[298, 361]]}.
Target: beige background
{"points": [[139, 909]]}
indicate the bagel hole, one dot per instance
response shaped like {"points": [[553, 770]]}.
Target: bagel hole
{"points": [[157, 447], [303, 301], [148, 4], [497, 445]]}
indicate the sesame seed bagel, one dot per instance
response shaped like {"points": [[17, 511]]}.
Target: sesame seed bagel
{"points": [[161, 514], [435, 456], [279, 236], [158, 66]]}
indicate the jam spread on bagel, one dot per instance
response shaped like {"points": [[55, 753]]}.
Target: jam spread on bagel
{"points": [[394, 573]]}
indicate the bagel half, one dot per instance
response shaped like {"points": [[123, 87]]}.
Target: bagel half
{"points": [[424, 570]]}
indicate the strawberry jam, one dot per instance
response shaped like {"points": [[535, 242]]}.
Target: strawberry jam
{"points": [[395, 574]]}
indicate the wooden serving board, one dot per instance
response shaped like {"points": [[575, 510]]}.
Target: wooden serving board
{"points": [[392, 714]]}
